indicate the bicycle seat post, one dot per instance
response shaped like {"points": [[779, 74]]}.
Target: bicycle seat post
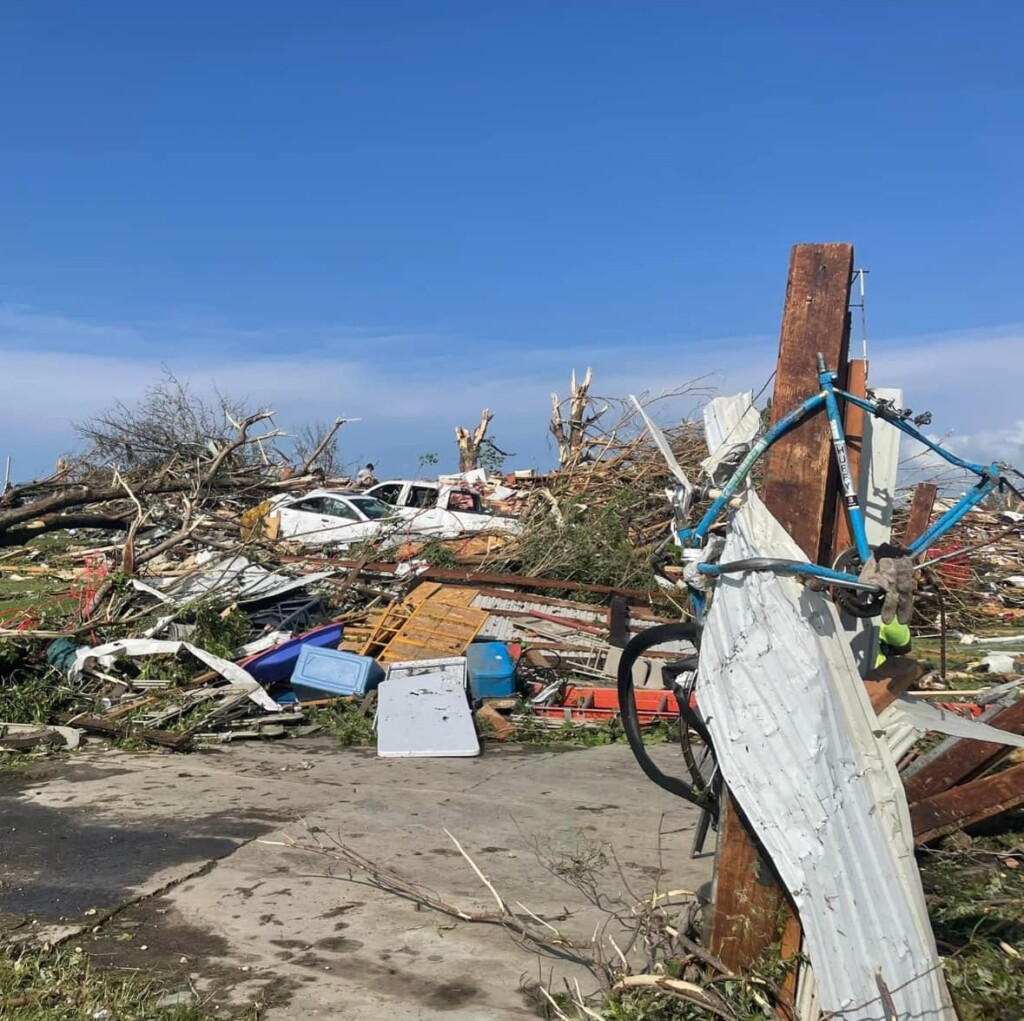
{"points": [[821, 363]]}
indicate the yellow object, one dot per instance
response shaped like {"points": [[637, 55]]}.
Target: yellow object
{"points": [[250, 520], [442, 623], [895, 635]]}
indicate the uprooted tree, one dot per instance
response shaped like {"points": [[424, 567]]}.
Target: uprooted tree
{"points": [[162, 461]]}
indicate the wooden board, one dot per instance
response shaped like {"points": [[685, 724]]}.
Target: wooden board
{"points": [[800, 475], [462, 576], [920, 511], [887, 682], [751, 908], [442, 624], [968, 804]]}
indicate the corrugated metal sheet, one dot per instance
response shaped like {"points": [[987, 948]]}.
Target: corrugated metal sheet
{"points": [[924, 717], [498, 629], [794, 733], [731, 425], [587, 614]]}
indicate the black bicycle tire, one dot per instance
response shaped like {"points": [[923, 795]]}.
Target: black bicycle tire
{"points": [[658, 635]]}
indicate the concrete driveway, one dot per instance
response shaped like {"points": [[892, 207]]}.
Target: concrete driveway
{"points": [[173, 864]]}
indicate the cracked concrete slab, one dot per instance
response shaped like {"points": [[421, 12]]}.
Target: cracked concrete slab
{"points": [[245, 919]]}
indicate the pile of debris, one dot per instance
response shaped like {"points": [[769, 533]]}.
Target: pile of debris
{"points": [[240, 564], [215, 646], [979, 569], [166, 586]]}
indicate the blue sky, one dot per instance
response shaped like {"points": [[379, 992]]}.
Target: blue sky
{"points": [[406, 211]]}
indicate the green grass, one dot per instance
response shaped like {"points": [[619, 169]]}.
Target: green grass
{"points": [[46, 598], [976, 902], [531, 730], [346, 723], [29, 691], [62, 985]]}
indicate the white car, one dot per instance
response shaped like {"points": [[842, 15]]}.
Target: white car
{"points": [[325, 516], [440, 510]]}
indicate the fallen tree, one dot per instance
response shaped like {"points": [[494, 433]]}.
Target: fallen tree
{"points": [[163, 461]]}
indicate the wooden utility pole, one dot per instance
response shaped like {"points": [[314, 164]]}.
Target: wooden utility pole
{"points": [[800, 486], [752, 910]]}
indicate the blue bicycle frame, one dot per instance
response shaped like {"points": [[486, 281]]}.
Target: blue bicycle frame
{"points": [[828, 400]]}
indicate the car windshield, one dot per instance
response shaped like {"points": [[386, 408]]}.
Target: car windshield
{"points": [[371, 508]]}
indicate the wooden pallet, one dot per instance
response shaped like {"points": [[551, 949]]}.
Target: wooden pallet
{"points": [[441, 623]]}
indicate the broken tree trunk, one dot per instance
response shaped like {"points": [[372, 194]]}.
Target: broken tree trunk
{"points": [[570, 432], [470, 442], [329, 435]]}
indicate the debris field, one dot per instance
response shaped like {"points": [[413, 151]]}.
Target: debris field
{"points": [[196, 607]]}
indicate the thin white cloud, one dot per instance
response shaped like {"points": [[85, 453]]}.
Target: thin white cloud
{"points": [[411, 391], [970, 380]]}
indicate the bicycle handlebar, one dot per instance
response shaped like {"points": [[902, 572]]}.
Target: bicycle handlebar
{"points": [[781, 566]]}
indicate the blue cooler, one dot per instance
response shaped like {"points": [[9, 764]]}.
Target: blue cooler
{"points": [[327, 673], [492, 672]]}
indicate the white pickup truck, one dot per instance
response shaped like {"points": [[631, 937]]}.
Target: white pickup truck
{"points": [[432, 508]]}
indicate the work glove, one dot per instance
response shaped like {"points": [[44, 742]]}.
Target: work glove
{"points": [[891, 567]]}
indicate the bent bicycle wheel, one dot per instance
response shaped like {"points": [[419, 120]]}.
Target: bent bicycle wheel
{"points": [[698, 791]]}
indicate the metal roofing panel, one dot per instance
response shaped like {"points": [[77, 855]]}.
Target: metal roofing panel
{"points": [[794, 733], [525, 606]]}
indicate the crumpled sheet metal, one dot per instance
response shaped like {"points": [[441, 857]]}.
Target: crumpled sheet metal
{"points": [[242, 681], [228, 578], [923, 717], [794, 733]]}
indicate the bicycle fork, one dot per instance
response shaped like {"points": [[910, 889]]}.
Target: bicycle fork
{"points": [[842, 454]]}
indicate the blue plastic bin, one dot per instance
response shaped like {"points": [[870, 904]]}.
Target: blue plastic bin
{"points": [[276, 665], [327, 673], [492, 673]]}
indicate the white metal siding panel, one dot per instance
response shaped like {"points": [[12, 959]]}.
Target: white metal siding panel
{"points": [[794, 733]]}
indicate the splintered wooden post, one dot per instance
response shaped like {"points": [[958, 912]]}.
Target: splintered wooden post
{"points": [[800, 486], [752, 910]]}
